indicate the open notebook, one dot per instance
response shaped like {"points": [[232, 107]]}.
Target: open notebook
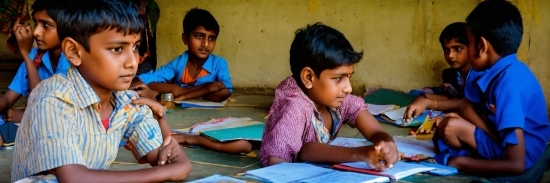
{"points": [[302, 172], [227, 129], [409, 146], [395, 117], [202, 104], [400, 169]]}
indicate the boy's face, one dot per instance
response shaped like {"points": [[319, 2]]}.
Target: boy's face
{"points": [[478, 63], [200, 42], [455, 54], [330, 88], [112, 61], [45, 31]]}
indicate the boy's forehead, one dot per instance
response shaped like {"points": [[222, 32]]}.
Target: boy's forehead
{"points": [[452, 42], [201, 29]]}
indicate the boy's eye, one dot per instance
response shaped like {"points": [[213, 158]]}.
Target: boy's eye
{"points": [[446, 50], [117, 49], [198, 36], [47, 25], [136, 47], [212, 38], [459, 48], [338, 78]]}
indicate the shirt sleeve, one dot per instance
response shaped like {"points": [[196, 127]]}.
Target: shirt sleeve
{"points": [[48, 137], [283, 133], [350, 108], [20, 83], [509, 106], [223, 74], [144, 131], [163, 74]]}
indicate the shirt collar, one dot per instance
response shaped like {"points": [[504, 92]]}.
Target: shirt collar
{"points": [[208, 64], [86, 96], [484, 81]]}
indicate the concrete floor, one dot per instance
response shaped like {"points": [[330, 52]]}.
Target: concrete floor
{"points": [[206, 162]]}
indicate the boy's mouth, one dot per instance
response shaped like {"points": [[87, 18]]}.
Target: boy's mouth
{"points": [[127, 77]]}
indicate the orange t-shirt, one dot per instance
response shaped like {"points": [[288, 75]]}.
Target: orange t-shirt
{"points": [[186, 79]]}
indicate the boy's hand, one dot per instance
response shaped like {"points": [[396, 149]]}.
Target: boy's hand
{"points": [[416, 108], [215, 86], [14, 115], [156, 108], [169, 151], [388, 153], [23, 34], [372, 156], [144, 91]]}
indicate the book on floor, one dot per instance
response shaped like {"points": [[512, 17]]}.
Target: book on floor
{"points": [[400, 169], [227, 129], [200, 104]]}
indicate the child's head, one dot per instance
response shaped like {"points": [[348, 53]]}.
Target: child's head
{"points": [[200, 31], [494, 26], [101, 38], [44, 15], [321, 61], [454, 42]]}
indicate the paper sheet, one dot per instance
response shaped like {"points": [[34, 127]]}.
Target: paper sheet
{"points": [[399, 170], [412, 146], [218, 179], [289, 172], [349, 142], [379, 109], [346, 177]]}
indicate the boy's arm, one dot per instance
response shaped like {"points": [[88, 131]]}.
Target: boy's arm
{"points": [[512, 164], [172, 88], [8, 99], [23, 34], [422, 103], [218, 96], [176, 167]]}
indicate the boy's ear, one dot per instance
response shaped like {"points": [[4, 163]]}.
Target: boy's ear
{"points": [[71, 49], [184, 38], [307, 76], [483, 47]]}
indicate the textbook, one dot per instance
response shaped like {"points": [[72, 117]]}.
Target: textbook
{"points": [[400, 169], [407, 145], [227, 129], [307, 173], [395, 117], [218, 179], [201, 104]]}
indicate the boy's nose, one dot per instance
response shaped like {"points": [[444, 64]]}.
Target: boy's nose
{"points": [[347, 88], [132, 61]]}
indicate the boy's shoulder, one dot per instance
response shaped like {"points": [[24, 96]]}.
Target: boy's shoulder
{"points": [[57, 86]]}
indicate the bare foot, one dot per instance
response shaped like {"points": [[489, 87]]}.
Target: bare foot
{"points": [[15, 115]]}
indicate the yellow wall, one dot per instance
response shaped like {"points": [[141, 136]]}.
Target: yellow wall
{"points": [[399, 38]]}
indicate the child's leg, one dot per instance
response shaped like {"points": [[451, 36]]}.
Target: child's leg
{"points": [[234, 147], [456, 132], [468, 112]]}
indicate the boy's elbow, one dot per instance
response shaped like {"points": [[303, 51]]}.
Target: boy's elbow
{"points": [[183, 173], [517, 168]]}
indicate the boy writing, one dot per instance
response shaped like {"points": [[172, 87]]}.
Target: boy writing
{"points": [[39, 63], [197, 72], [311, 106], [74, 122], [511, 131]]}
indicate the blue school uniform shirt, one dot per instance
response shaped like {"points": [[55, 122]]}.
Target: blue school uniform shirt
{"points": [[216, 67], [515, 99], [20, 83]]}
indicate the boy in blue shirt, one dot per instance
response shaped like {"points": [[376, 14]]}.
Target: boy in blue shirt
{"points": [[39, 63], [197, 72], [508, 98], [74, 122]]}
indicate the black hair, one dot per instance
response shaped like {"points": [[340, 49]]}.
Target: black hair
{"points": [[196, 17], [455, 31], [52, 7], [500, 23], [320, 47], [81, 19]]}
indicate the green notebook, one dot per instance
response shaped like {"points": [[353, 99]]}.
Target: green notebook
{"points": [[251, 132], [386, 96]]}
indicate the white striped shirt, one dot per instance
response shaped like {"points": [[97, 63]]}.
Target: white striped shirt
{"points": [[62, 126]]}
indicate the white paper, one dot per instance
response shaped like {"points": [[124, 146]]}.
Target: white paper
{"points": [[346, 177], [396, 114], [379, 109], [288, 172], [217, 179], [412, 146], [399, 170], [350, 142]]}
